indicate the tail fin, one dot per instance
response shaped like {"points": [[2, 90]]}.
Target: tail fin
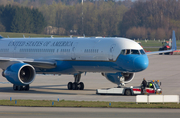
{"points": [[174, 47]]}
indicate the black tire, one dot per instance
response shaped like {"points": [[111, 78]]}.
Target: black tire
{"points": [[74, 86], [69, 86], [81, 86], [26, 88], [15, 87], [128, 92], [20, 88]]}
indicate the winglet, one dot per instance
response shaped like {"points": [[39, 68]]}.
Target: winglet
{"points": [[174, 47]]}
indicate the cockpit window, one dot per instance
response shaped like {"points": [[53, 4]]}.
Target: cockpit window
{"points": [[123, 52], [142, 52], [128, 51], [134, 51]]}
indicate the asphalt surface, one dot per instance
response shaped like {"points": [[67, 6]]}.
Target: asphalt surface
{"points": [[46, 112], [165, 68]]}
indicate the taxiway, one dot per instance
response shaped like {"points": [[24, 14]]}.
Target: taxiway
{"points": [[165, 68]]}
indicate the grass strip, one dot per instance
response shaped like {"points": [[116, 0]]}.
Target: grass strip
{"points": [[27, 35], [94, 104]]}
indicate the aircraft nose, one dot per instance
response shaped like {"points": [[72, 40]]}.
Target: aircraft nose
{"points": [[141, 63]]}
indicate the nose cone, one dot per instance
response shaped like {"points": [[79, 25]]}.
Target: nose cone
{"points": [[141, 62]]}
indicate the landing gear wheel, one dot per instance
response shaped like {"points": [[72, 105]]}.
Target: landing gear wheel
{"points": [[75, 86], [20, 88], [26, 88], [81, 86], [70, 85], [128, 92], [15, 87]]}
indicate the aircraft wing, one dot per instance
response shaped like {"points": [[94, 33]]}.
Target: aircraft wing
{"points": [[36, 63], [157, 52], [174, 47]]}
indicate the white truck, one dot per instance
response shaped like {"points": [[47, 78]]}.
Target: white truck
{"points": [[133, 90]]}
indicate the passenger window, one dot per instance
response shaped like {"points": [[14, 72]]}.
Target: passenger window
{"points": [[134, 52]]}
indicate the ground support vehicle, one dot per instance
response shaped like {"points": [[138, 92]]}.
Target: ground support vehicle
{"points": [[133, 90]]}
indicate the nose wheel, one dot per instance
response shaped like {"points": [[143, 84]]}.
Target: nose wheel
{"points": [[76, 85]]}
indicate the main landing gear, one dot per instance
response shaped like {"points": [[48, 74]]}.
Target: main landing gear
{"points": [[20, 88], [76, 85]]}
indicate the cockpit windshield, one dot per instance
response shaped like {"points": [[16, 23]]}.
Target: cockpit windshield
{"points": [[135, 52], [132, 51], [142, 51]]}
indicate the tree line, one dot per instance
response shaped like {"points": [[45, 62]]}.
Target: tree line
{"points": [[148, 19], [21, 19], [153, 19], [98, 19]]}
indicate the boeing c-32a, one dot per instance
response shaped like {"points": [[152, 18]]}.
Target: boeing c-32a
{"points": [[118, 59]]}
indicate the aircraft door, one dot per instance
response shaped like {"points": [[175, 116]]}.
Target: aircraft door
{"points": [[111, 55], [73, 54], [14, 51]]}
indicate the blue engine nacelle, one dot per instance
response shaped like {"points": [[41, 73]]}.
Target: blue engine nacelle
{"points": [[119, 78], [20, 74]]}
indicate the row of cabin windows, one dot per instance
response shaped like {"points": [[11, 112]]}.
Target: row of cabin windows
{"points": [[91, 50], [4, 50], [37, 50], [65, 50], [132, 51], [43, 50]]}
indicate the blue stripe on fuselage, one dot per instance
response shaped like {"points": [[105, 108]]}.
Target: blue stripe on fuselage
{"points": [[124, 63]]}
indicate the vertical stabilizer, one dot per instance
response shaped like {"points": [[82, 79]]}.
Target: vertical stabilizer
{"points": [[174, 47]]}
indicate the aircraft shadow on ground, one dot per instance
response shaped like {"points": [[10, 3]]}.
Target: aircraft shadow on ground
{"points": [[48, 89]]}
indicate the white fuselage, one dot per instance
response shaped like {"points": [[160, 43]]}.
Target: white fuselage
{"points": [[91, 49]]}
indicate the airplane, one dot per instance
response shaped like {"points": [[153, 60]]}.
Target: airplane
{"points": [[118, 59]]}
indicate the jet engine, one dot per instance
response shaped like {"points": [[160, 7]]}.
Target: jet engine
{"points": [[20, 74], [119, 78]]}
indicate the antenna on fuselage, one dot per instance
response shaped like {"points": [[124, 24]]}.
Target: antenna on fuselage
{"points": [[24, 36]]}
